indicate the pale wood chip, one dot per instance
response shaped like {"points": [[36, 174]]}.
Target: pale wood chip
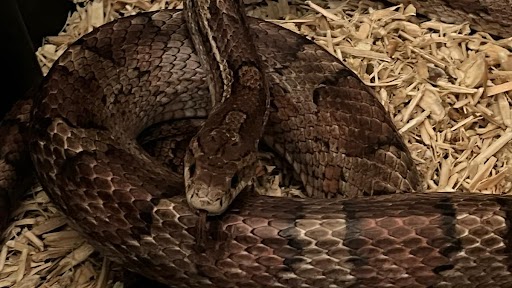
{"points": [[429, 57], [414, 122], [323, 11], [482, 172], [22, 263], [505, 87], [49, 225], [74, 258], [363, 53], [495, 147], [493, 181]]}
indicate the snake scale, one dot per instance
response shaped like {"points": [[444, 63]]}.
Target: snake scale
{"points": [[92, 111], [222, 157]]}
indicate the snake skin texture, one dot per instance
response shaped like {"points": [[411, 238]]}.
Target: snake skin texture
{"points": [[135, 72], [223, 156]]}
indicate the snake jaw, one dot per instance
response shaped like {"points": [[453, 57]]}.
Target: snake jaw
{"points": [[211, 199], [206, 190], [212, 183], [212, 191]]}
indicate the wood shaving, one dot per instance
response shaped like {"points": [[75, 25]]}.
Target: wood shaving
{"points": [[447, 89]]}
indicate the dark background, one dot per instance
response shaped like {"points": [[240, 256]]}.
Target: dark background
{"points": [[25, 24]]}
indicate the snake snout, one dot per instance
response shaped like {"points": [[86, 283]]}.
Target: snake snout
{"points": [[209, 199]]}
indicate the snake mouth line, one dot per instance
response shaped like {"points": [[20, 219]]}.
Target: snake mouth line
{"points": [[212, 207]]}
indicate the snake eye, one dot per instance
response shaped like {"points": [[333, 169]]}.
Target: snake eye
{"points": [[234, 181], [192, 170]]}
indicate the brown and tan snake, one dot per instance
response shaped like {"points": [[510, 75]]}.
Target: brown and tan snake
{"points": [[221, 158], [141, 70]]}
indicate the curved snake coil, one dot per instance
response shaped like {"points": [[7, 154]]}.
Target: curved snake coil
{"points": [[141, 70]]}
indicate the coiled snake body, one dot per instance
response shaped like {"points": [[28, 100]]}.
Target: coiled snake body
{"points": [[138, 71]]}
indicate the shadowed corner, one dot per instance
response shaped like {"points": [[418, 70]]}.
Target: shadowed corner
{"points": [[13, 189], [4, 209], [133, 280], [28, 21]]}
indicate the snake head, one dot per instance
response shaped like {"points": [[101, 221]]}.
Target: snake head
{"points": [[213, 182]]}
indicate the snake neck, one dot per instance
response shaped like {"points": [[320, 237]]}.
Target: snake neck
{"points": [[221, 160]]}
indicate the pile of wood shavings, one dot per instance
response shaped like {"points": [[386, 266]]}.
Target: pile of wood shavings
{"points": [[446, 88]]}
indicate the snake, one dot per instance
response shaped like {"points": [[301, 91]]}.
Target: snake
{"points": [[222, 157], [93, 132]]}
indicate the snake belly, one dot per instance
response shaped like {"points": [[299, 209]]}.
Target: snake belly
{"points": [[141, 70]]}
